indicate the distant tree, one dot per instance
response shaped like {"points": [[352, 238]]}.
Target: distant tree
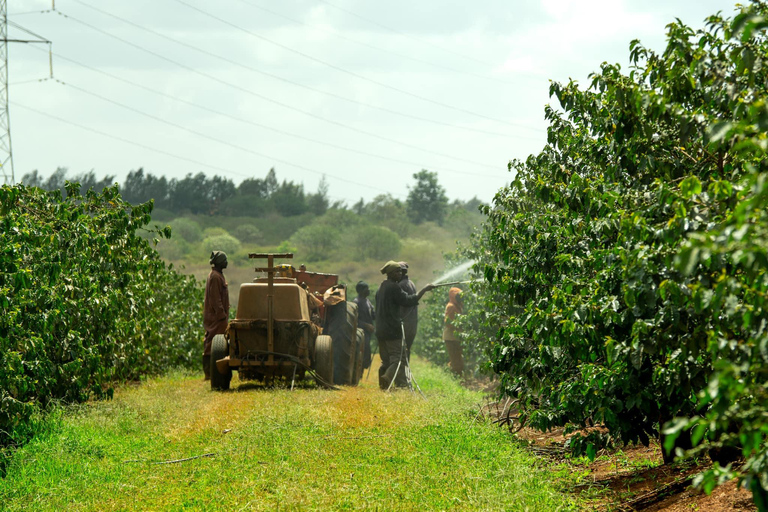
{"points": [[271, 182], [187, 229], [253, 187], [426, 199], [57, 180], [224, 242], [219, 190], [387, 211], [247, 233], [245, 205], [289, 199], [198, 194], [315, 242], [318, 202], [88, 181], [32, 179], [366, 241], [139, 187], [340, 219], [359, 207]]}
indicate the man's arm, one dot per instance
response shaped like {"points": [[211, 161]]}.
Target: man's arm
{"points": [[403, 299]]}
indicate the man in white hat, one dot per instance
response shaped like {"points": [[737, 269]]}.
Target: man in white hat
{"points": [[389, 330]]}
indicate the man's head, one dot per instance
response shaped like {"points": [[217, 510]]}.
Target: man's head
{"points": [[362, 289], [219, 259], [403, 267], [393, 270]]}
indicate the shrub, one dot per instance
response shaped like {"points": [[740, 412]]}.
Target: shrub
{"points": [[84, 302], [247, 233], [186, 229], [315, 242], [224, 242], [372, 242], [626, 263]]}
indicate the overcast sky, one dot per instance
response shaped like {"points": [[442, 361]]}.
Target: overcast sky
{"points": [[366, 93]]}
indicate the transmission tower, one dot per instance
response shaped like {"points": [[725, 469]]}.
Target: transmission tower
{"points": [[6, 151]]}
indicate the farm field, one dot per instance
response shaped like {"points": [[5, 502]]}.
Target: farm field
{"points": [[259, 449]]}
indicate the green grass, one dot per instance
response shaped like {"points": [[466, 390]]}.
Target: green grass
{"points": [[309, 449]]}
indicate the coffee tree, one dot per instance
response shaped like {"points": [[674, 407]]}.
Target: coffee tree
{"points": [[84, 302], [630, 253]]}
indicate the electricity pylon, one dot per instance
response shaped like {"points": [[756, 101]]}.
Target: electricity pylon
{"points": [[6, 151]]}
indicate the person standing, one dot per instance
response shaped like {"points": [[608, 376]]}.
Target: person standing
{"points": [[390, 298], [366, 316], [410, 314], [215, 306], [451, 338]]}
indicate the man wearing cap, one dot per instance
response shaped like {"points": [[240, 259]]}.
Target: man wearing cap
{"points": [[215, 306], [410, 314], [389, 331], [366, 316]]}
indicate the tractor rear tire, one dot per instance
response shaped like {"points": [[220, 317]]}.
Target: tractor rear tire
{"points": [[342, 327], [219, 350], [324, 358]]}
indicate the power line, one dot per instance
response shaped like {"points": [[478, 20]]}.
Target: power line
{"points": [[127, 141], [149, 148], [340, 69], [40, 39], [404, 34], [263, 126], [303, 86], [214, 139], [378, 48], [266, 98]]}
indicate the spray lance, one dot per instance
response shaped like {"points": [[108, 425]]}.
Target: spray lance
{"points": [[454, 283]]}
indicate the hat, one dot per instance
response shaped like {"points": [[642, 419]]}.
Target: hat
{"points": [[218, 258], [390, 266]]}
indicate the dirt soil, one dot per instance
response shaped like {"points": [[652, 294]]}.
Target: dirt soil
{"points": [[628, 479]]}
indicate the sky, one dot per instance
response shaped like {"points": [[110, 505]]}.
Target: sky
{"points": [[364, 93]]}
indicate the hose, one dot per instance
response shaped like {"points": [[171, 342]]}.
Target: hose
{"points": [[298, 361]]}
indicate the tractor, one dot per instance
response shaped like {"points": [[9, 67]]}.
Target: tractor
{"points": [[289, 324]]}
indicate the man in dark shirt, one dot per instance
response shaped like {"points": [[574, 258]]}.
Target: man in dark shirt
{"points": [[215, 306], [410, 314], [389, 330], [366, 316]]}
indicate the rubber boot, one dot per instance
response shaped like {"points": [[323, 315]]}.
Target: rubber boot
{"points": [[207, 367]]}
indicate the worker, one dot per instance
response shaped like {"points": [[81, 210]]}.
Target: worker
{"points": [[390, 298], [366, 316], [410, 314], [215, 306], [451, 332]]}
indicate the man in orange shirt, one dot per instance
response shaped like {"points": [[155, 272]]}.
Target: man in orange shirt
{"points": [[451, 333]]}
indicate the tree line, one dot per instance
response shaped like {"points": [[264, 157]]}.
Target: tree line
{"points": [[256, 197]]}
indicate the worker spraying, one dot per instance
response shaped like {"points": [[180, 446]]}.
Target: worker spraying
{"points": [[390, 298]]}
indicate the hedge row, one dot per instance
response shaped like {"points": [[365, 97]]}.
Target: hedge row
{"points": [[84, 302], [632, 253]]}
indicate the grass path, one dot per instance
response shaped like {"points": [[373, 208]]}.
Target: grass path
{"points": [[309, 449]]}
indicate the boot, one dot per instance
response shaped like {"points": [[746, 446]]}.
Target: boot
{"points": [[207, 367]]}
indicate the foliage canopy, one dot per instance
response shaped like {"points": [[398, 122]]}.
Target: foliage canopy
{"points": [[626, 263]]}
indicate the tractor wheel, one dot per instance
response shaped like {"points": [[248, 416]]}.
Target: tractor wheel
{"points": [[342, 327], [219, 350], [359, 354], [324, 358]]}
